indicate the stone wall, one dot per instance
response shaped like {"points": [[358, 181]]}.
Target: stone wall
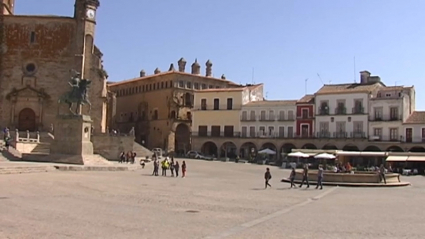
{"points": [[110, 146]]}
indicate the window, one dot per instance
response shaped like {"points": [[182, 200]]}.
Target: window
{"points": [[305, 113], [155, 115], [290, 115], [196, 86], [181, 84], [263, 115], [393, 134], [271, 115], [216, 104], [358, 126], [252, 115], [171, 83], [378, 113], [324, 129], [387, 95], [215, 131], [262, 131], [409, 135], [211, 87], [228, 131], [204, 86], [202, 130], [340, 109], [394, 113], [189, 85], [252, 131], [281, 131], [30, 68], [244, 131], [358, 107], [244, 115], [173, 114], [229, 103], [154, 86], [271, 131], [188, 100], [203, 104], [32, 37], [377, 132], [281, 115], [290, 132], [340, 129]]}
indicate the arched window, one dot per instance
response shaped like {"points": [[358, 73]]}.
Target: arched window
{"points": [[173, 114]]}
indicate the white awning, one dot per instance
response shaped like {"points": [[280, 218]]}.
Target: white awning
{"points": [[349, 153], [416, 159], [377, 154], [358, 153], [396, 158]]}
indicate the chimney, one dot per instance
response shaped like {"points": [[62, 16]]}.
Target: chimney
{"points": [[142, 73], [182, 64], [171, 67], [223, 77], [209, 68], [196, 68], [364, 77], [157, 71]]}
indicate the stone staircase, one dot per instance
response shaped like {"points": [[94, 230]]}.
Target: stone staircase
{"points": [[41, 148], [141, 151]]}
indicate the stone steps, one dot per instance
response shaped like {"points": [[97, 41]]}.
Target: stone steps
{"points": [[25, 169], [141, 151]]}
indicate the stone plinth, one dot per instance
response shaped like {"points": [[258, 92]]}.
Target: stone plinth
{"points": [[72, 136]]}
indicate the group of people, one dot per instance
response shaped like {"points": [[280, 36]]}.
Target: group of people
{"points": [[129, 157], [171, 165], [268, 176]]}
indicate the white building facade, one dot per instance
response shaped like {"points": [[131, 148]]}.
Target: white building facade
{"points": [[268, 119], [389, 108], [413, 129]]}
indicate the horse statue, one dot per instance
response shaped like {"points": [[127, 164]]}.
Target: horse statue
{"points": [[78, 95]]}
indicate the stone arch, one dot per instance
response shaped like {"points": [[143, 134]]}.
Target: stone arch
{"points": [[394, 148], [271, 146], [417, 149], [287, 148], [309, 146], [27, 120], [248, 150], [228, 150], [182, 139], [209, 148], [350, 147], [330, 147], [372, 148]]}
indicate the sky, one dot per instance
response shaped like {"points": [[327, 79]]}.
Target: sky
{"points": [[280, 43]]}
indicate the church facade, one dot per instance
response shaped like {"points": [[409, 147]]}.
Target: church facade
{"points": [[37, 54]]}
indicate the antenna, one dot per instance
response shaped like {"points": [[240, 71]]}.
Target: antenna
{"points": [[320, 78], [354, 73], [306, 86]]}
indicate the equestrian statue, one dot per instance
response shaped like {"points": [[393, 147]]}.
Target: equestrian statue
{"points": [[78, 94]]}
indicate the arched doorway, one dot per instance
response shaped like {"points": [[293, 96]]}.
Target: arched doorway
{"points": [[372, 148], [228, 150], [309, 146], [182, 139], [350, 147], [271, 147], [287, 148], [209, 148], [330, 147], [27, 120], [394, 148], [248, 150], [417, 149]]}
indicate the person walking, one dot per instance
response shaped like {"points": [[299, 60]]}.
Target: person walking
{"points": [[122, 157], [382, 174], [267, 177], [292, 177], [172, 167], [155, 167], [320, 178], [184, 169], [305, 176], [176, 167]]}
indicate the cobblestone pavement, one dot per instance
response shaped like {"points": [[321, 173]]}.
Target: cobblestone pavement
{"points": [[216, 200]]}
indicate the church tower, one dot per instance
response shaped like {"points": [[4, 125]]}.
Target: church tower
{"points": [[7, 7]]}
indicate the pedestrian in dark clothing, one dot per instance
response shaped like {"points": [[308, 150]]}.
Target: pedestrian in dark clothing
{"points": [[172, 167], [184, 169], [122, 157], [292, 178], [267, 177], [320, 178], [155, 168], [176, 168], [305, 176], [382, 174]]}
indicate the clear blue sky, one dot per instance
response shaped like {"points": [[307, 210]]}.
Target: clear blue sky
{"points": [[285, 41]]}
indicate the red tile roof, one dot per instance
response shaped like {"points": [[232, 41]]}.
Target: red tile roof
{"points": [[307, 99], [232, 89], [272, 102], [348, 88], [417, 117]]}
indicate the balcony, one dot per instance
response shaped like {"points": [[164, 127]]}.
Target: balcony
{"points": [[301, 117], [248, 119], [217, 134], [285, 119], [323, 134], [358, 110], [219, 107], [340, 135], [358, 135], [324, 110], [265, 119], [386, 118], [340, 111]]}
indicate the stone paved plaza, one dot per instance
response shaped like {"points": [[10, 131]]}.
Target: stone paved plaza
{"points": [[216, 200]]}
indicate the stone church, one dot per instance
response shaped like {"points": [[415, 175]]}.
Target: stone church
{"points": [[37, 54]]}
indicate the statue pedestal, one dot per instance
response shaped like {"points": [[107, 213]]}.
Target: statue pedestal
{"points": [[72, 138]]}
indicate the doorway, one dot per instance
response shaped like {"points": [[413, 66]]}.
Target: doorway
{"points": [[27, 120], [305, 132]]}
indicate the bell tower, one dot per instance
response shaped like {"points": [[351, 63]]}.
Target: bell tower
{"points": [[7, 7]]}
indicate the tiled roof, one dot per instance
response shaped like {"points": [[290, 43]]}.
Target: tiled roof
{"points": [[271, 102], [167, 73], [348, 88], [232, 89], [417, 117], [306, 99]]}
